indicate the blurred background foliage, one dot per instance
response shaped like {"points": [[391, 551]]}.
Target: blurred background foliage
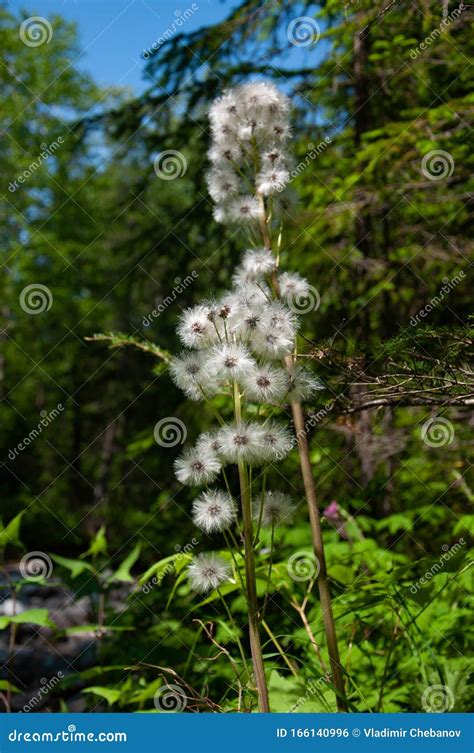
{"points": [[374, 234]]}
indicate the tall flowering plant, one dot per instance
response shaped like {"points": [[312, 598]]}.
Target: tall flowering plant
{"points": [[243, 346]]}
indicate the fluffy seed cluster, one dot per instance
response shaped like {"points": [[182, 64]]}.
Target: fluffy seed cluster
{"points": [[250, 127], [236, 343], [208, 571]]}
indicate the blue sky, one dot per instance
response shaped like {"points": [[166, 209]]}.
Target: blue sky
{"points": [[113, 33]]}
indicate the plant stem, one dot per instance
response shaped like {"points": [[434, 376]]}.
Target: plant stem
{"points": [[250, 580], [318, 546], [313, 509]]}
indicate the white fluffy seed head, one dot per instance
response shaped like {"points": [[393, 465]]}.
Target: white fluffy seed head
{"points": [[293, 286], [196, 467], [258, 263], [244, 209], [189, 374], [272, 180], [265, 384], [277, 508], [242, 442], [208, 442], [208, 571], [302, 384], [229, 361], [276, 440], [214, 511], [195, 328]]}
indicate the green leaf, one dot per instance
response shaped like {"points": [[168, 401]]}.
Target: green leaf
{"points": [[75, 567], [28, 617], [110, 694], [11, 533], [6, 685], [98, 544], [123, 571]]}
